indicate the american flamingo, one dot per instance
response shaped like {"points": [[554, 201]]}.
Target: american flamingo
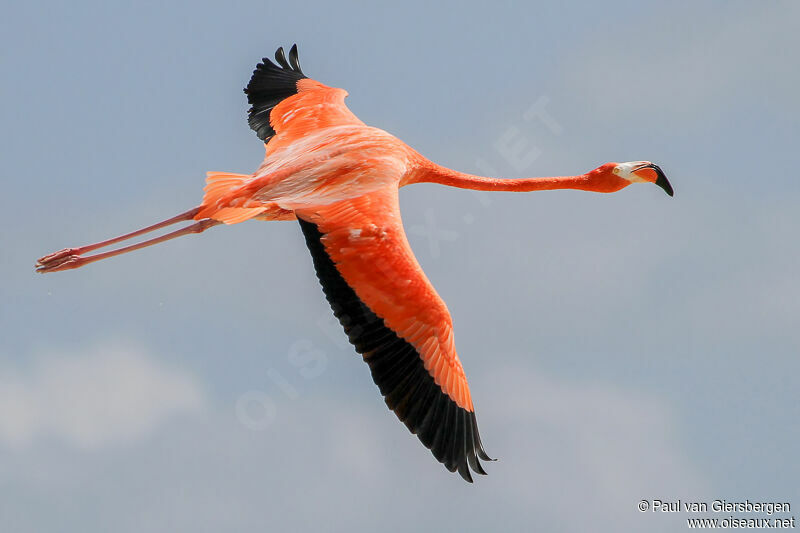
{"points": [[339, 178]]}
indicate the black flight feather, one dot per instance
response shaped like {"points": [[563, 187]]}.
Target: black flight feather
{"points": [[269, 86]]}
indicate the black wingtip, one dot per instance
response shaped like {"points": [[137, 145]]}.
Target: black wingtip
{"points": [[280, 57], [463, 470], [483, 455], [294, 60], [268, 86]]}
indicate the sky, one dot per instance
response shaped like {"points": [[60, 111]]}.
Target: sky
{"points": [[619, 347]]}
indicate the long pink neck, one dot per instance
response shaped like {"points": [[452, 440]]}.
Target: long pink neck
{"points": [[430, 172]]}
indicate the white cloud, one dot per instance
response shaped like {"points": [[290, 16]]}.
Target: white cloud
{"points": [[109, 393], [573, 456]]}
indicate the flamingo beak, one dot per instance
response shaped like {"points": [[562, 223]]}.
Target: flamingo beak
{"points": [[654, 174]]}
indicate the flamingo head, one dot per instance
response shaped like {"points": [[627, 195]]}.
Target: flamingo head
{"points": [[641, 172]]}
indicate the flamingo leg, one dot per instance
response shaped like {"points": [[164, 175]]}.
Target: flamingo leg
{"points": [[68, 261], [55, 256]]}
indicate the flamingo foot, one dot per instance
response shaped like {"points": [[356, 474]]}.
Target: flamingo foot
{"points": [[55, 256], [62, 260]]}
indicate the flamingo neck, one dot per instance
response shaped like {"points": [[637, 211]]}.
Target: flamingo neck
{"points": [[433, 173]]}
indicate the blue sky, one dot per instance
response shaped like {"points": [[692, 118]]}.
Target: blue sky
{"points": [[619, 347]]}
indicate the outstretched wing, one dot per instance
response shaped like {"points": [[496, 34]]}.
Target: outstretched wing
{"points": [[282, 99], [396, 320]]}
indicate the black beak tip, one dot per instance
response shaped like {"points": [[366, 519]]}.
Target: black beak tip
{"points": [[662, 181]]}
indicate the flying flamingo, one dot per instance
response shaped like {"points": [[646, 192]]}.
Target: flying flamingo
{"points": [[339, 178]]}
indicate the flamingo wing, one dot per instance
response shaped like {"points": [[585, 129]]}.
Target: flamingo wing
{"points": [[396, 320], [284, 100]]}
